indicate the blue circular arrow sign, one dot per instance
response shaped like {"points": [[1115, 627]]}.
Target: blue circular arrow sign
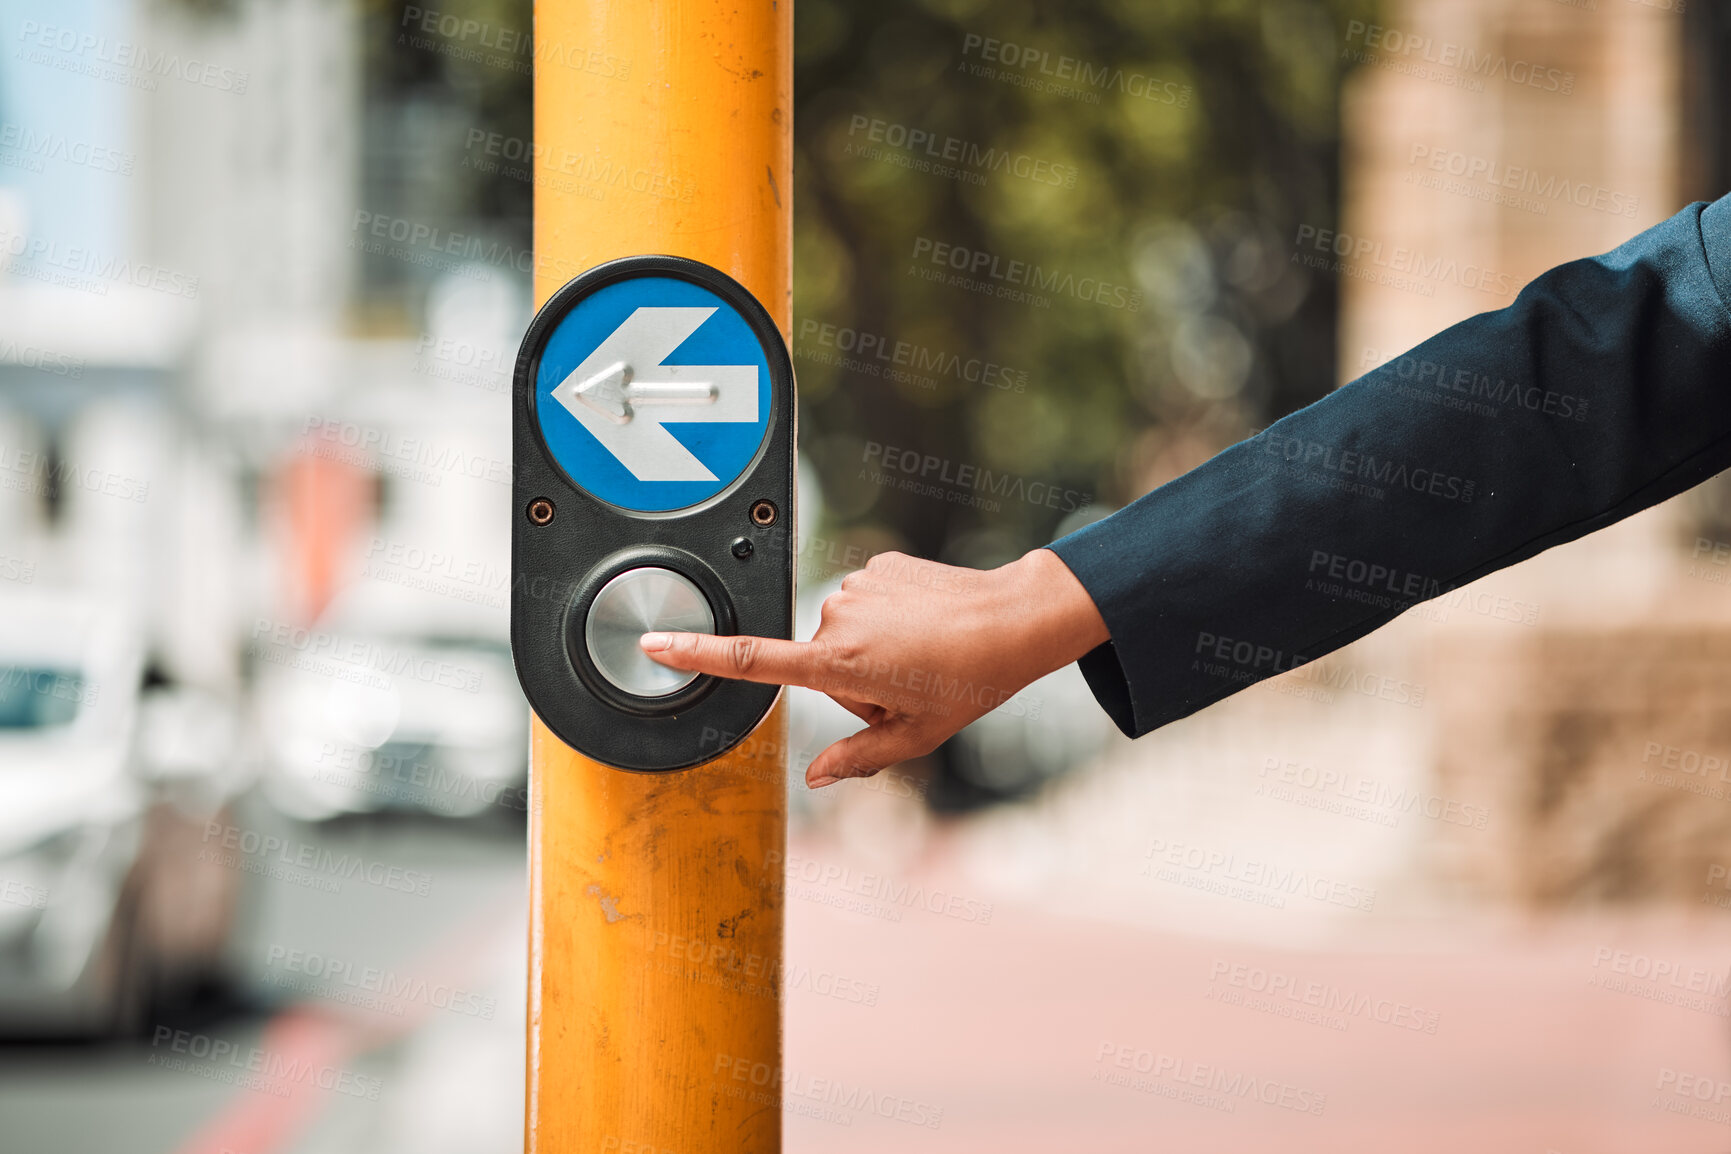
{"points": [[653, 394]]}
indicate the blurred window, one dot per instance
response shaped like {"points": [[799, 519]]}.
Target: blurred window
{"points": [[35, 697]]}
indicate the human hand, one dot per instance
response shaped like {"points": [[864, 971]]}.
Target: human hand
{"points": [[913, 648]]}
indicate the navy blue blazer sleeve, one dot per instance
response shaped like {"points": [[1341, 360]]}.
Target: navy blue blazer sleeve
{"points": [[1603, 389]]}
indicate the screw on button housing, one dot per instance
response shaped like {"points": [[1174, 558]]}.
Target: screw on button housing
{"points": [[540, 511], [742, 548], [763, 513]]}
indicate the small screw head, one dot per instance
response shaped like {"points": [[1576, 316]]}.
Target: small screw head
{"points": [[540, 511], [763, 513], [742, 547]]}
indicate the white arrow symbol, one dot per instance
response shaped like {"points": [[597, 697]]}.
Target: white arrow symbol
{"points": [[614, 393], [624, 373]]}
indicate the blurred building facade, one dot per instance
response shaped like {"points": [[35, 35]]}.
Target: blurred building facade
{"points": [[1496, 140], [214, 459]]}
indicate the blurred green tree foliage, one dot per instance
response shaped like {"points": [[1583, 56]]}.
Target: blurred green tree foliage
{"points": [[1137, 167]]}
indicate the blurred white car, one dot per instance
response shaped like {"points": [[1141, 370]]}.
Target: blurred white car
{"points": [[360, 723], [104, 908]]}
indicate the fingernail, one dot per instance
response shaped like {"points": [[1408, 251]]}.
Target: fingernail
{"points": [[820, 782], [654, 641]]}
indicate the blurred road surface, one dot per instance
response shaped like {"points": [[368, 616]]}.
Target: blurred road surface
{"points": [[929, 1009]]}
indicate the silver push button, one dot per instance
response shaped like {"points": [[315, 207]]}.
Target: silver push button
{"points": [[639, 601]]}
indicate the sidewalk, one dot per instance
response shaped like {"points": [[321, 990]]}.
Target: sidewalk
{"points": [[1037, 1031]]}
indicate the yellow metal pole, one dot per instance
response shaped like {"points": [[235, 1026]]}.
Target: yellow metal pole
{"points": [[655, 923]]}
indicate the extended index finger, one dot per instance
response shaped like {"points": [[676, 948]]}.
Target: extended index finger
{"points": [[743, 658]]}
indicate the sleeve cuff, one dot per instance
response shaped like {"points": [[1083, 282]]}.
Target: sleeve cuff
{"points": [[1111, 688], [1088, 555]]}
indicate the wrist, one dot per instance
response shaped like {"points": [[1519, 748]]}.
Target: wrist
{"points": [[1059, 621]]}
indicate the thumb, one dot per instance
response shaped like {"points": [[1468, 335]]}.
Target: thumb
{"points": [[864, 753], [742, 658]]}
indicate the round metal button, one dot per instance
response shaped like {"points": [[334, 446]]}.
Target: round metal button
{"points": [[639, 601]]}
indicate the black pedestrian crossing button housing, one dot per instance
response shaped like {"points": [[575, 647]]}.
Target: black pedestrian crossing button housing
{"points": [[653, 434]]}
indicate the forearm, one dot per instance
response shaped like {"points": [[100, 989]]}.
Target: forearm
{"points": [[1604, 389]]}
